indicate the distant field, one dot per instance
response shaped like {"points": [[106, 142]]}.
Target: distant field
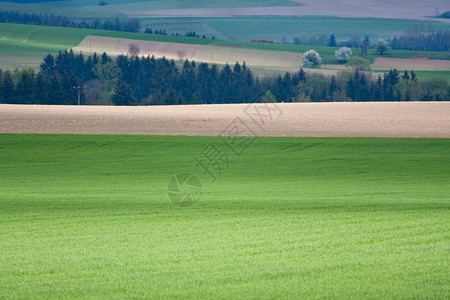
{"points": [[29, 38], [433, 74], [26, 45], [89, 217], [90, 9], [369, 9], [273, 28], [419, 64], [214, 53], [423, 75]]}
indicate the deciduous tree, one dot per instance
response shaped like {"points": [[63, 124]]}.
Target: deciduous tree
{"points": [[382, 47], [311, 59], [343, 54]]}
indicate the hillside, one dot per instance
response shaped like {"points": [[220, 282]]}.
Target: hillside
{"points": [[26, 45]]}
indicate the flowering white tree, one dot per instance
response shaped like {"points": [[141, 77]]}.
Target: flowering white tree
{"points": [[382, 46], [343, 54], [311, 58]]}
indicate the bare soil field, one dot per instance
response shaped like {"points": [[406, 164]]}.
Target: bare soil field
{"points": [[399, 9], [375, 119], [274, 60], [416, 64], [117, 46]]}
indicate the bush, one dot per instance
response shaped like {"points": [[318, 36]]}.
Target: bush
{"points": [[343, 54], [359, 64], [311, 58]]}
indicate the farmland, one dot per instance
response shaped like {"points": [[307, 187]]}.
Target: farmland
{"points": [[88, 216], [349, 119], [275, 27], [214, 53], [175, 179], [26, 45], [88, 8]]}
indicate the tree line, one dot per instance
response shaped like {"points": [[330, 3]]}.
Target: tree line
{"points": [[415, 38], [358, 86], [192, 34], [117, 24], [422, 41], [71, 78]]}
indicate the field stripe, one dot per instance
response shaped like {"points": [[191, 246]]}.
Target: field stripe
{"points": [[367, 119], [216, 53]]}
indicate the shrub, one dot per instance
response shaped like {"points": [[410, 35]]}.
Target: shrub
{"points": [[359, 64]]}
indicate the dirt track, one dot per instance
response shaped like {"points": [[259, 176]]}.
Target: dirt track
{"points": [[417, 119]]}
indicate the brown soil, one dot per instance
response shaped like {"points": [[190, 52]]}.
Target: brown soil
{"points": [[413, 119], [218, 54], [416, 64]]}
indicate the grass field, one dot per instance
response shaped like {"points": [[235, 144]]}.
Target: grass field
{"points": [[433, 74], [273, 28], [88, 216], [424, 75]]}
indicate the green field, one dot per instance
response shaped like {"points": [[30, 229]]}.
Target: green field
{"points": [[273, 28], [90, 8], [424, 75], [33, 38], [88, 217], [433, 74]]}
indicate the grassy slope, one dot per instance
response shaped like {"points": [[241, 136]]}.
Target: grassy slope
{"points": [[291, 218], [33, 38]]}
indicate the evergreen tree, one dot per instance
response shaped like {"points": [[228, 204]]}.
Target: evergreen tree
{"points": [[25, 88], [406, 76], [123, 95], [237, 68], [378, 90], [332, 41], [48, 65], [105, 58], [413, 76], [7, 88], [350, 89], [42, 87]]}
